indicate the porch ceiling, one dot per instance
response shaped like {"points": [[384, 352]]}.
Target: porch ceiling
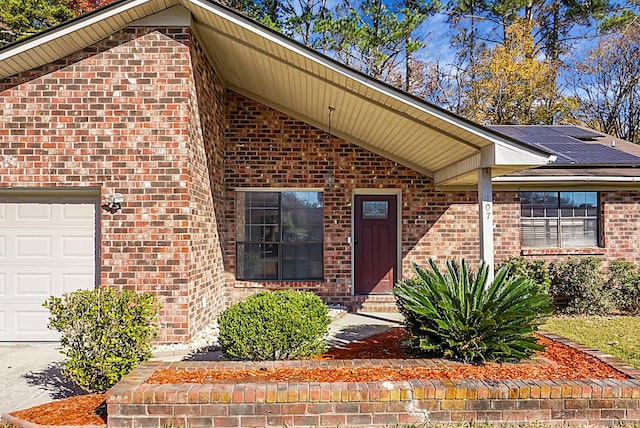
{"points": [[285, 75]]}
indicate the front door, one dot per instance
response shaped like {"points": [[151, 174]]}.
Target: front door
{"points": [[375, 244]]}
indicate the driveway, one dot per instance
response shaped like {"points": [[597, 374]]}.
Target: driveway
{"points": [[30, 375]]}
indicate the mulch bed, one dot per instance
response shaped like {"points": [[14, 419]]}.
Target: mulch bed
{"points": [[79, 410], [557, 362]]}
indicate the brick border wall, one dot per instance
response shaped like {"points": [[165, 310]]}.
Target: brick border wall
{"points": [[132, 403]]}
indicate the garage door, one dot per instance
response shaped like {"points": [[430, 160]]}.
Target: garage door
{"points": [[45, 249]]}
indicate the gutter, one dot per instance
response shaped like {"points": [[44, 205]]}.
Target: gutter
{"points": [[566, 178]]}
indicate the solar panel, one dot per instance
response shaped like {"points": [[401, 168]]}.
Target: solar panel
{"points": [[566, 143], [577, 132]]}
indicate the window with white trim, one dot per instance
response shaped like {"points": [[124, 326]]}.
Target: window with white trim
{"points": [[279, 235], [559, 219]]}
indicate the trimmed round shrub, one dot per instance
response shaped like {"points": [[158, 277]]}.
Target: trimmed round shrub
{"points": [[277, 325], [458, 314], [106, 333]]}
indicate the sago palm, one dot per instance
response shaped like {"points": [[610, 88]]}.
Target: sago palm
{"points": [[457, 314]]}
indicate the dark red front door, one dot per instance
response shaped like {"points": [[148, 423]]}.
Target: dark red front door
{"points": [[375, 244]]}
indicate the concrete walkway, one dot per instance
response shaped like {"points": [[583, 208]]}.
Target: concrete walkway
{"points": [[30, 373]]}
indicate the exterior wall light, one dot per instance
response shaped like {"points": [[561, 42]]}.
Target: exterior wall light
{"points": [[113, 203], [329, 179]]}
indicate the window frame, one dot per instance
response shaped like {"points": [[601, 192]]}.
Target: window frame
{"points": [[559, 217], [280, 242]]}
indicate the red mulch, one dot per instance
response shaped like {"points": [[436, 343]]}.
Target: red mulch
{"points": [[564, 363], [557, 362], [79, 410]]}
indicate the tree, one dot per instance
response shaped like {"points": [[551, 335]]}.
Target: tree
{"points": [[608, 85], [556, 21], [269, 12], [373, 37], [80, 7], [513, 85], [22, 18]]}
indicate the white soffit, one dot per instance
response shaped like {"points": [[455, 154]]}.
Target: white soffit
{"points": [[274, 70], [75, 35], [282, 74]]}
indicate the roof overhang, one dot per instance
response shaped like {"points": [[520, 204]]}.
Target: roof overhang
{"points": [[281, 73], [570, 179]]}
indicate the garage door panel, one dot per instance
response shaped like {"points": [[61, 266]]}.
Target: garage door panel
{"points": [[34, 284], [33, 247], [46, 249], [76, 281], [77, 246], [79, 213], [34, 212], [30, 323]]}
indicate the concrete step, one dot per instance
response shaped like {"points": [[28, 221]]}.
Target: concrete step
{"points": [[373, 303]]}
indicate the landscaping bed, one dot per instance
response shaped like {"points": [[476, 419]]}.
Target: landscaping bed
{"points": [[333, 400], [258, 397]]}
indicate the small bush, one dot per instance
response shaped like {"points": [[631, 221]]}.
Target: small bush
{"points": [[578, 286], [279, 325], [623, 283], [536, 270], [105, 333], [458, 314]]}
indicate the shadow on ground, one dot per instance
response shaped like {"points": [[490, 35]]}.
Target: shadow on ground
{"points": [[211, 353], [53, 382], [354, 333]]}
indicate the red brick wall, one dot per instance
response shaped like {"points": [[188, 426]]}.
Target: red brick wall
{"points": [[619, 226], [117, 116], [266, 148], [142, 113], [206, 154]]}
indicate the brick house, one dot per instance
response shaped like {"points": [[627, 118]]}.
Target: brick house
{"points": [[246, 161]]}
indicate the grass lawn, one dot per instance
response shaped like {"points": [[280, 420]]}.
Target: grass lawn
{"points": [[618, 336]]}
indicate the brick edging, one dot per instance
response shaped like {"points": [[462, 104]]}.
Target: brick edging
{"points": [[584, 402]]}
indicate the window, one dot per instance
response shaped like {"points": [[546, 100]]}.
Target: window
{"points": [[279, 235], [559, 219]]}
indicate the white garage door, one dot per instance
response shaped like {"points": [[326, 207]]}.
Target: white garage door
{"points": [[45, 249]]}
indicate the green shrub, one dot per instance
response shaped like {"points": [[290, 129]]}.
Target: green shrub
{"points": [[279, 325], [536, 270], [105, 333], [578, 286], [458, 314], [623, 282]]}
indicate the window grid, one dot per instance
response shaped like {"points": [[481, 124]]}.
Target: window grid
{"points": [[545, 224], [279, 235]]}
